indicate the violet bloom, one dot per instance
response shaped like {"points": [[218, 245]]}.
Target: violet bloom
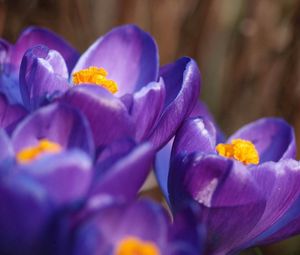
{"points": [[148, 103], [11, 56], [142, 227], [59, 128], [248, 187], [54, 170]]}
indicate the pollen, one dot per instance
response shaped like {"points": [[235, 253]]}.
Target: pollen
{"points": [[239, 149], [44, 146], [95, 75], [135, 246]]}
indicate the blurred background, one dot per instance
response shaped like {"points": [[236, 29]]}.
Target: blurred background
{"points": [[248, 51]]}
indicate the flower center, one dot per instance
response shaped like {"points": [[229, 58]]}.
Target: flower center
{"points": [[239, 149], [43, 147], [135, 246], [95, 75]]}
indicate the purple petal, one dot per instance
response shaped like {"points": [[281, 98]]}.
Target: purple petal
{"points": [[280, 184], [34, 36], [58, 123], [162, 167], [43, 72], [182, 82], [227, 193], [273, 138], [10, 115], [125, 177], [145, 220], [24, 212], [201, 110], [186, 234], [288, 225], [162, 160], [107, 115], [9, 84], [113, 152], [195, 135], [146, 108], [6, 149], [128, 54], [66, 177]]}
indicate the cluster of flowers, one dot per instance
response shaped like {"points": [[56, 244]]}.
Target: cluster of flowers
{"points": [[79, 135]]}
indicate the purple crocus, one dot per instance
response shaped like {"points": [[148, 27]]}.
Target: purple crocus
{"points": [[116, 228], [48, 166], [11, 56], [248, 187], [149, 103]]}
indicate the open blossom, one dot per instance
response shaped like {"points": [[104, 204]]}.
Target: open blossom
{"points": [[132, 94], [49, 164], [247, 187], [142, 227]]}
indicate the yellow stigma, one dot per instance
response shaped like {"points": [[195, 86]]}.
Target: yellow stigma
{"points": [[43, 147], [239, 149], [135, 246], [95, 75]]}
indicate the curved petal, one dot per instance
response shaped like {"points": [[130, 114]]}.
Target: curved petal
{"points": [[112, 153], [107, 115], [43, 72], [201, 110], [288, 225], [6, 149], [146, 220], [273, 138], [128, 54], [227, 193], [10, 115], [146, 108], [66, 177], [162, 160], [186, 234], [58, 123], [33, 36], [162, 168], [280, 184], [25, 208], [182, 82], [195, 134], [124, 178]]}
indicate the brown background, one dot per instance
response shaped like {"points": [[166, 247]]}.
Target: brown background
{"points": [[248, 50]]}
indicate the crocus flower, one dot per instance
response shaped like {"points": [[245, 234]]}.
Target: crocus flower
{"points": [[132, 95], [141, 227], [248, 187], [48, 166], [11, 56]]}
